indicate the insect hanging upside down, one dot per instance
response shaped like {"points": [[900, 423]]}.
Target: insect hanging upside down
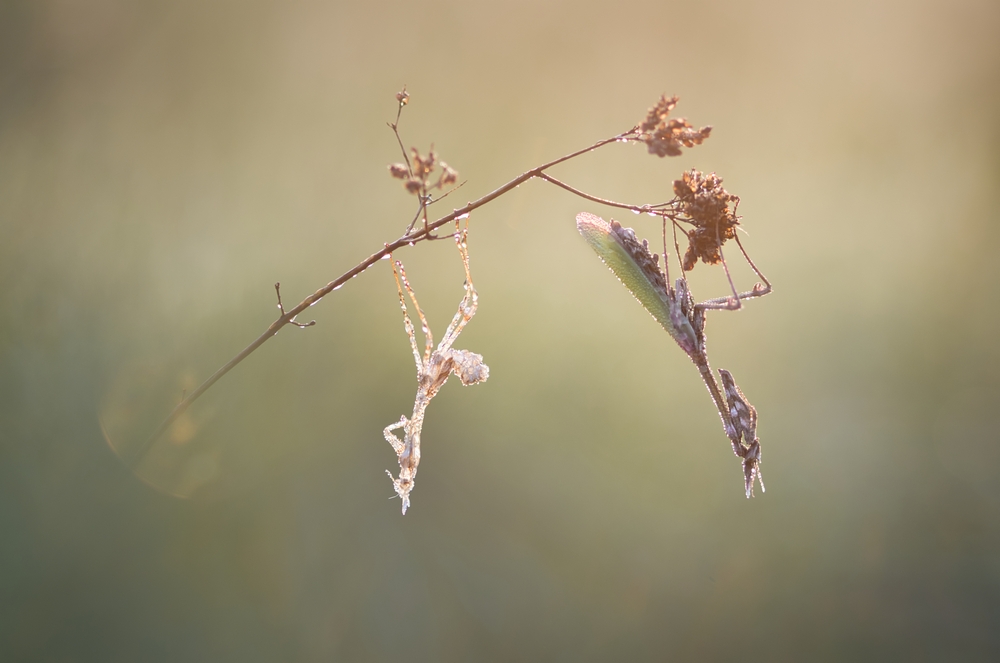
{"points": [[434, 367], [676, 311]]}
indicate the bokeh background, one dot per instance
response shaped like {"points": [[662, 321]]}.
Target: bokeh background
{"points": [[162, 165]]}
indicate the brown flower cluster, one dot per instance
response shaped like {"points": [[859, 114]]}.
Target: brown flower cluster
{"points": [[706, 204], [665, 135], [416, 175]]}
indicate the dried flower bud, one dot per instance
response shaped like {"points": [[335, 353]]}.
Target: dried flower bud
{"points": [[399, 171], [422, 165], [692, 137], [403, 97], [449, 175], [690, 258], [658, 113], [663, 135], [706, 204], [414, 185]]}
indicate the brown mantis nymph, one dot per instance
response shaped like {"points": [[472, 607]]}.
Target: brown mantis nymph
{"points": [[676, 311], [434, 367]]}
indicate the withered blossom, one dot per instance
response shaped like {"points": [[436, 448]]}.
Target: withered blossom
{"points": [[417, 176], [448, 176], [706, 204], [665, 135], [423, 165]]}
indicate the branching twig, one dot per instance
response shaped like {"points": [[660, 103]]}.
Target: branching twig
{"points": [[410, 238], [281, 307]]}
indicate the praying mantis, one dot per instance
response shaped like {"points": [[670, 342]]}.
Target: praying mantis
{"points": [[675, 310], [434, 367]]}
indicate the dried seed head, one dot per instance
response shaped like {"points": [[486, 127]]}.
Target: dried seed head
{"points": [[417, 178], [423, 165], [449, 175], [664, 135], [658, 113], [706, 204]]}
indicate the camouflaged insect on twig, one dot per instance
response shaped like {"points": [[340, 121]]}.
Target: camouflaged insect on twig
{"points": [[674, 308], [434, 367]]}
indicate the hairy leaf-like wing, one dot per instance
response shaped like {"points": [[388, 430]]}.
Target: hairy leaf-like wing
{"points": [[636, 268]]}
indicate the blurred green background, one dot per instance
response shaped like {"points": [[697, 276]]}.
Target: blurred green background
{"points": [[163, 164]]}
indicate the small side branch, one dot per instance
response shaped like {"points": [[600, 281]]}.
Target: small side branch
{"points": [[300, 325], [402, 98]]}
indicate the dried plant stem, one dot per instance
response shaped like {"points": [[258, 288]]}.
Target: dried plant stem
{"points": [[638, 209], [411, 237]]}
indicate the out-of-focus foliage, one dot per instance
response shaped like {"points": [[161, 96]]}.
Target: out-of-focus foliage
{"points": [[163, 164]]}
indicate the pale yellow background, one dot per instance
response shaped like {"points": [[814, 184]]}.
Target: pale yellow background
{"points": [[163, 164]]}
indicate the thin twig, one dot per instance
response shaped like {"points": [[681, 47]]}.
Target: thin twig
{"points": [[395, 129], [666, 256], [416, 217], [638, 209], [677, 248], [447, 193], [281, 307], [407, 239]]}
